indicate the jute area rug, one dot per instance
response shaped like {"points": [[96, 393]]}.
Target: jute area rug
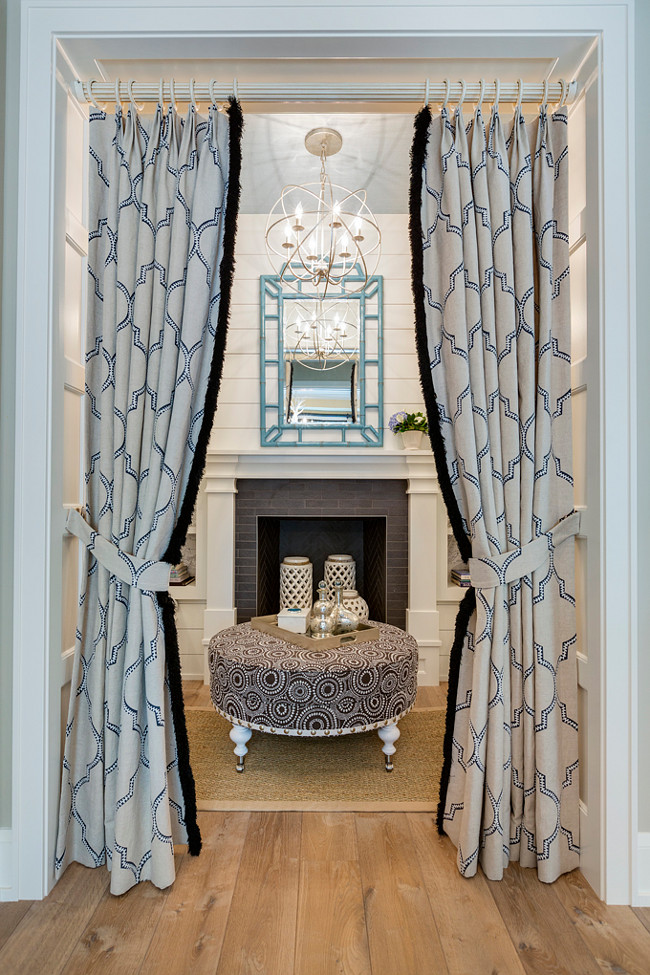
{"points": [[317, 774]]}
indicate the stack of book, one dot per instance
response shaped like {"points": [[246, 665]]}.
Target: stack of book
{"points": [[180, 575], [460, 577]]}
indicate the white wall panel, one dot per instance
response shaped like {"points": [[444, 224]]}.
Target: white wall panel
{"points": [[72, 404], [75, 270], [70, 586], [581, 555], [578, 158], [578, 267], [580, 459], [76, 141], [71, 324]]}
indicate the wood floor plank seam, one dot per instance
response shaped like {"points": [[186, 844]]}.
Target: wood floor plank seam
{"points": [[611, 951], [179, 866], [426, 891], [109, 907], [462, 922], [27, 949], [363, 896], [241, 854], [223, 940]]}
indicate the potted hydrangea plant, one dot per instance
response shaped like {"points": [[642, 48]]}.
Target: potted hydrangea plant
{"points": [[410, 426]]}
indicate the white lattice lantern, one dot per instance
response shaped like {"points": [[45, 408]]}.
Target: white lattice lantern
{"points": [[296, 582], [340, 568], [356, 603]]}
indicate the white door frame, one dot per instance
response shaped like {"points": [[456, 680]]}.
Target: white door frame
{"points": [[38, 518]]}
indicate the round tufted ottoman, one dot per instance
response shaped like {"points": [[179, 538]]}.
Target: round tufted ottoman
{"points": [[261, 683]]}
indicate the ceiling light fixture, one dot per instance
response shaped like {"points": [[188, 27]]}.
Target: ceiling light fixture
{"points": [[322, 235]]}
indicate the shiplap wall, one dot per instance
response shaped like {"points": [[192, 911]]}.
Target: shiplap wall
{"points": [[236, 425]]}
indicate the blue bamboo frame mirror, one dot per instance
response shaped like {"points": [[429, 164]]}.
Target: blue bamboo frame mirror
{"points": [[321, 377]]}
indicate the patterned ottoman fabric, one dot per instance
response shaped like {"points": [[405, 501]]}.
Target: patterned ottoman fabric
{"points": [[260, 681]]}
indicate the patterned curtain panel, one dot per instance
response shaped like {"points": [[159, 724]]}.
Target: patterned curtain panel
{"points": [[162, 214], [489, 231]]}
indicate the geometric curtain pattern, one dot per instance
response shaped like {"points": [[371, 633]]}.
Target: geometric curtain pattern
{"points": [[162, 210], [489, 231]]}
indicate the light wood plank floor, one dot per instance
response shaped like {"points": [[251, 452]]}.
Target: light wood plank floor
{"points": [[290, 893]]}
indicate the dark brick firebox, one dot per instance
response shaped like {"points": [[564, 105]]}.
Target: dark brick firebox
{"points": [[366, 518]]}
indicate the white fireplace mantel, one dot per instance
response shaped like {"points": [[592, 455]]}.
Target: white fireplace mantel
{"points": [[223, 469]]}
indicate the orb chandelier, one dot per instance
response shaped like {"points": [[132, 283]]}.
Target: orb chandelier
{"points": [[321, 234]]}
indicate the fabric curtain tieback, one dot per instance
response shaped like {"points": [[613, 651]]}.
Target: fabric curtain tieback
{"points": [[498, 570], [143, 574]]}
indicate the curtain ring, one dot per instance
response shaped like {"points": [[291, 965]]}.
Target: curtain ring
{"points": [[161, 99], [481, 95], [172, 95], [448, 89], [463, 89], [131, 98], [565, 92], [497, 93], [426, 93], [90, 97], [545, 95], [117, 92], [235, 89], [520, 95], [193, 96]]}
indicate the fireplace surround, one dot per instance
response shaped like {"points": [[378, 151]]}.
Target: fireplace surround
{"points": [[357, 491]]}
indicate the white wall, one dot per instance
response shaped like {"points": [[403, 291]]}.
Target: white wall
{"points": [[642, 86], [9, 46]]}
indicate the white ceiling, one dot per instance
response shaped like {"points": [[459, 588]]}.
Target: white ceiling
{"points": [[374, 156]]}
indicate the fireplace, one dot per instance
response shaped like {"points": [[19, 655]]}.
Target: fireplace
{"points": [[365, 519], [395, 510]]}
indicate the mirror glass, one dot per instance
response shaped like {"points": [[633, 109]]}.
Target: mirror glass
{"points": [[321, 366], [321, 397]]}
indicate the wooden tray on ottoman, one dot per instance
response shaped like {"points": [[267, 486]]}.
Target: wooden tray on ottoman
{"points": [[269, 624]]}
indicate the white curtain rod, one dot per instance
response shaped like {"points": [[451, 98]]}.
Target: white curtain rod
{"points": [[426, 92]]}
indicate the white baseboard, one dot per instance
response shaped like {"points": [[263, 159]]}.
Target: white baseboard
{"points": [[642, 898], [7, 892]]}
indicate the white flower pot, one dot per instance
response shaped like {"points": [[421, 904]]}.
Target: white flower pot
{"points": [[411, 439]]}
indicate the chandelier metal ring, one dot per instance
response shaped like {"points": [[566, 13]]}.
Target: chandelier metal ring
{"points": [[321, 234]]}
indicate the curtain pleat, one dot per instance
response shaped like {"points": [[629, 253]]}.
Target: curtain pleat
{"points": [[489, 233], [162, 214]]}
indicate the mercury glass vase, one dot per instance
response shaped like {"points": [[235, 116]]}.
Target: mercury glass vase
{"points": [[321, 622], [345, 619]]}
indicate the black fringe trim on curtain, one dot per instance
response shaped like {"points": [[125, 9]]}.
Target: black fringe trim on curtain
{"points": [[465, 610], [173, 553], [418, 154], [467, 606]]}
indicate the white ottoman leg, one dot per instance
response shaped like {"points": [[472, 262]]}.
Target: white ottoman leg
{"points": [[389, 734], [240, 736]]}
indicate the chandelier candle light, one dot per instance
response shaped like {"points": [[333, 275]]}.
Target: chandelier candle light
{"points": [[322, 235]]}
